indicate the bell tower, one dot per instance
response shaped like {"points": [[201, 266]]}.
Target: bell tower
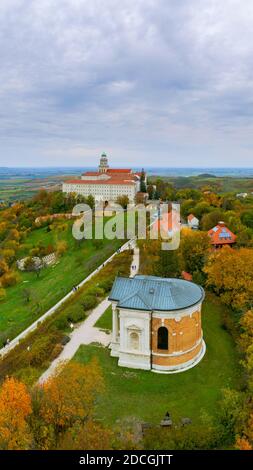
{"points": [[103, 165]]}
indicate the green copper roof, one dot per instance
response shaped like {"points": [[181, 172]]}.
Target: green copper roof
{"points": [[155, 293]]}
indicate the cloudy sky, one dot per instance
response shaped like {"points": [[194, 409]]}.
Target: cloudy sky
{"points": [[151, 82]]}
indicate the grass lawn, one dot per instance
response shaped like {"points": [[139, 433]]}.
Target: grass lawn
{"points": [[54, 282], [105, 322], [147, 395]]}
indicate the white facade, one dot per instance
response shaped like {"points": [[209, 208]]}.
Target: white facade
{"points": [[131, 339], [106, 184], [193, 222], [102, 192]]}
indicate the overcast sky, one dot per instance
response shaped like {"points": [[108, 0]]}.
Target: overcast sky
{"points": [[151, 82]]}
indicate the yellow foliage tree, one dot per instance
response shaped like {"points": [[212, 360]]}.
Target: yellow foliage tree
{"points": [[68, 398], [230, 274], [15, 407]]}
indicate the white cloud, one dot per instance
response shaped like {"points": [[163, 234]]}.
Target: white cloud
{"points": [[135, 77]]}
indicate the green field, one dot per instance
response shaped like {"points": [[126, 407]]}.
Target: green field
{"points": [[147, 396], [54, 282], [225, 184]]}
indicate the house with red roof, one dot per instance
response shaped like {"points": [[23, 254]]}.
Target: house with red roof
{"points": [[106, 184], [220, 235]]}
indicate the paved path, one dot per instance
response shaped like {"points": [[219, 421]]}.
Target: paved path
{"points": [[86, 333], [136, 262], [34, 325]]}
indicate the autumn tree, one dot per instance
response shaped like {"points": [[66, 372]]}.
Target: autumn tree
{"points": [[61, 247], [89, 436], [194, 250], [15, 407], [123, 201], [4, 268], [230, 274], [66, 400], [212, 218]]}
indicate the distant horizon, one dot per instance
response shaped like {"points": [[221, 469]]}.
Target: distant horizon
{"points": [[135, 166]]}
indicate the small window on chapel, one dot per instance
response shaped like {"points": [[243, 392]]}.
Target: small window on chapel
{"points": [[162, 338]]}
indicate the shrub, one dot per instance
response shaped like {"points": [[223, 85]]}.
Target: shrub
{"points": [[9, 279], [106, 284], [95, 291], [76, 314], [89, 302], [56, 351], [61, 247], [41, 349], [62, 323]]}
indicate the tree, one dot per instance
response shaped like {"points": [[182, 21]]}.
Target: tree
{"points": [[194, 250], [143, 187], [61, 247], [90, 201], [230, 275], [33, 264], [89, 436], [123, 201], [15, 407], [9, 279], [67, 399], [150, 191], [212, 218], [168, 264], [4, 268], [247, 218]]}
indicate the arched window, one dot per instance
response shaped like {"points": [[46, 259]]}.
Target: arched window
{"points": [[162, 338], [134, 340]]}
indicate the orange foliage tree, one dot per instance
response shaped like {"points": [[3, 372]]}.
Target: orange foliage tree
{"points": [[66, 400], [15, 407]]}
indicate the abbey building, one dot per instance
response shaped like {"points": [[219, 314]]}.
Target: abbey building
{"points": [[106, 184]]}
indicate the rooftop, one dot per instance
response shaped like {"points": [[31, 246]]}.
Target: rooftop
{"points": [[221, 235], [155, 293]]}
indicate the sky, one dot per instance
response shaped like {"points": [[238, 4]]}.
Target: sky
{"points": [[150, 82]]}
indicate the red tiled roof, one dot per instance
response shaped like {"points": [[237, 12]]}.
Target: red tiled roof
{"points": [[186, 276], [91, 173], [119, 170], [221, 235]]}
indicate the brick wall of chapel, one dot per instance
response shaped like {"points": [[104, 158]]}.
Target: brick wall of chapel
{"points": [[183, 335]]}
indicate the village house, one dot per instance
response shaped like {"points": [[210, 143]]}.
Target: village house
{"points": [[193, 222], [220, 235]]}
